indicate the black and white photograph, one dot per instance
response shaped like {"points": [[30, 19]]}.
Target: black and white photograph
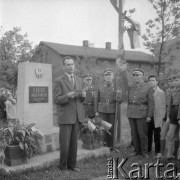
{"points": [[89, 89]]}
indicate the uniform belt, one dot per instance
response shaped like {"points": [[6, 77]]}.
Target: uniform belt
{"points": [[107, 101], [138, 103], [89, 104], [174, 106]]}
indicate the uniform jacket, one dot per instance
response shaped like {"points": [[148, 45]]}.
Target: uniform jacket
{"points": [[90, 95], [159, 107], [89, 101], [140, 101], [106, 99], [68, 108]]}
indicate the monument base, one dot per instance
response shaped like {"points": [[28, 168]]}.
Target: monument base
{"points": [[50, 140]]}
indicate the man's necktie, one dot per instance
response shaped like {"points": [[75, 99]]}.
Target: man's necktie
{"points": [[72, 80]]}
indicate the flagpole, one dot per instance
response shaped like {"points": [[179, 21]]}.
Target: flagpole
{"points": [[120, 31], [120, 54], [121, 80], [118, 79], [121, 77]]}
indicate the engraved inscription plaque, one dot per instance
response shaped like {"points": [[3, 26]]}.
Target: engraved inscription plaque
{"points": [[38, 94]]}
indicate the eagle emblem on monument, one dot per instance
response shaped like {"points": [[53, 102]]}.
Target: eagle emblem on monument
{"points": [[39, 73]]}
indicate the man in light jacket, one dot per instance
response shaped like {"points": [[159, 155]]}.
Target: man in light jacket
{"points": [[154, 126]]}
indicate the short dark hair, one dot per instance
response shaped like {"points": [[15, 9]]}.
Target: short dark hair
{"points": [[152, 76], [67, 57]]}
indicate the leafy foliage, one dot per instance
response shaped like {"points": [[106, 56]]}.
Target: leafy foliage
{"points": [[8, 74], [23, 135], [163, 28], [14, 49], [15, 46]]}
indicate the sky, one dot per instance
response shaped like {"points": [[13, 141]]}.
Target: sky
{"points": [[71, 21]]}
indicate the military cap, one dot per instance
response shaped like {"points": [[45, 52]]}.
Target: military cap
{"points": [[138, 71], [87, 76], [171, 77], [107, 71]]}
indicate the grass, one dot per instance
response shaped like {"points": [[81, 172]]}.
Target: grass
{"points": [[93, 167]]}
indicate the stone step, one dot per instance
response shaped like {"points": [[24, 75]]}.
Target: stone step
{"points": [[52, 158]]}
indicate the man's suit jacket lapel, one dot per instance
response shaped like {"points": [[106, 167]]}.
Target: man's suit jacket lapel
{"points": [[68, 82]]}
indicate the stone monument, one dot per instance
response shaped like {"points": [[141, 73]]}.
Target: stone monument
{"points": [[34, 101]]}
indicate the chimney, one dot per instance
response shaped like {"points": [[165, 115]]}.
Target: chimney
{"points": [[108, 45], [85, 43]]}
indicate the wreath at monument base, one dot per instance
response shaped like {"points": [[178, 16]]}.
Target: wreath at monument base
{"points": [[92, 133]]}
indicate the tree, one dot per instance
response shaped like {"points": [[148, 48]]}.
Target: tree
{"points": [[14, 49], [8, 74], [163, 28]]}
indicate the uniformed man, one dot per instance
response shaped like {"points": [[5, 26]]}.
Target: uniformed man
{"points": [[173, 116], [90, 96], [106, 104], [139, 111]]}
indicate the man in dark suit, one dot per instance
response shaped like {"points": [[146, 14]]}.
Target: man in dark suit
{"points": [[69, 97]]}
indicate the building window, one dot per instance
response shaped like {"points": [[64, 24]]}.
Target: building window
{"points": [[46, 57]]}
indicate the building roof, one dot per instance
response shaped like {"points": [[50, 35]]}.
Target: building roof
{"points": [[72, 50], [173, 42]]}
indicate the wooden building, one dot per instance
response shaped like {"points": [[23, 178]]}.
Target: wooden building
{"points": [[90, 59]]}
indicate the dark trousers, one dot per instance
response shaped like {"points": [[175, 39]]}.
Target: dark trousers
{"points": [[156, 131], [139, 130], [108, 117], [68, 137]]}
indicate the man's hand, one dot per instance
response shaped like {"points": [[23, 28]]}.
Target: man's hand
{"points": [[148, 119], [83, 93], [71, 95]]}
